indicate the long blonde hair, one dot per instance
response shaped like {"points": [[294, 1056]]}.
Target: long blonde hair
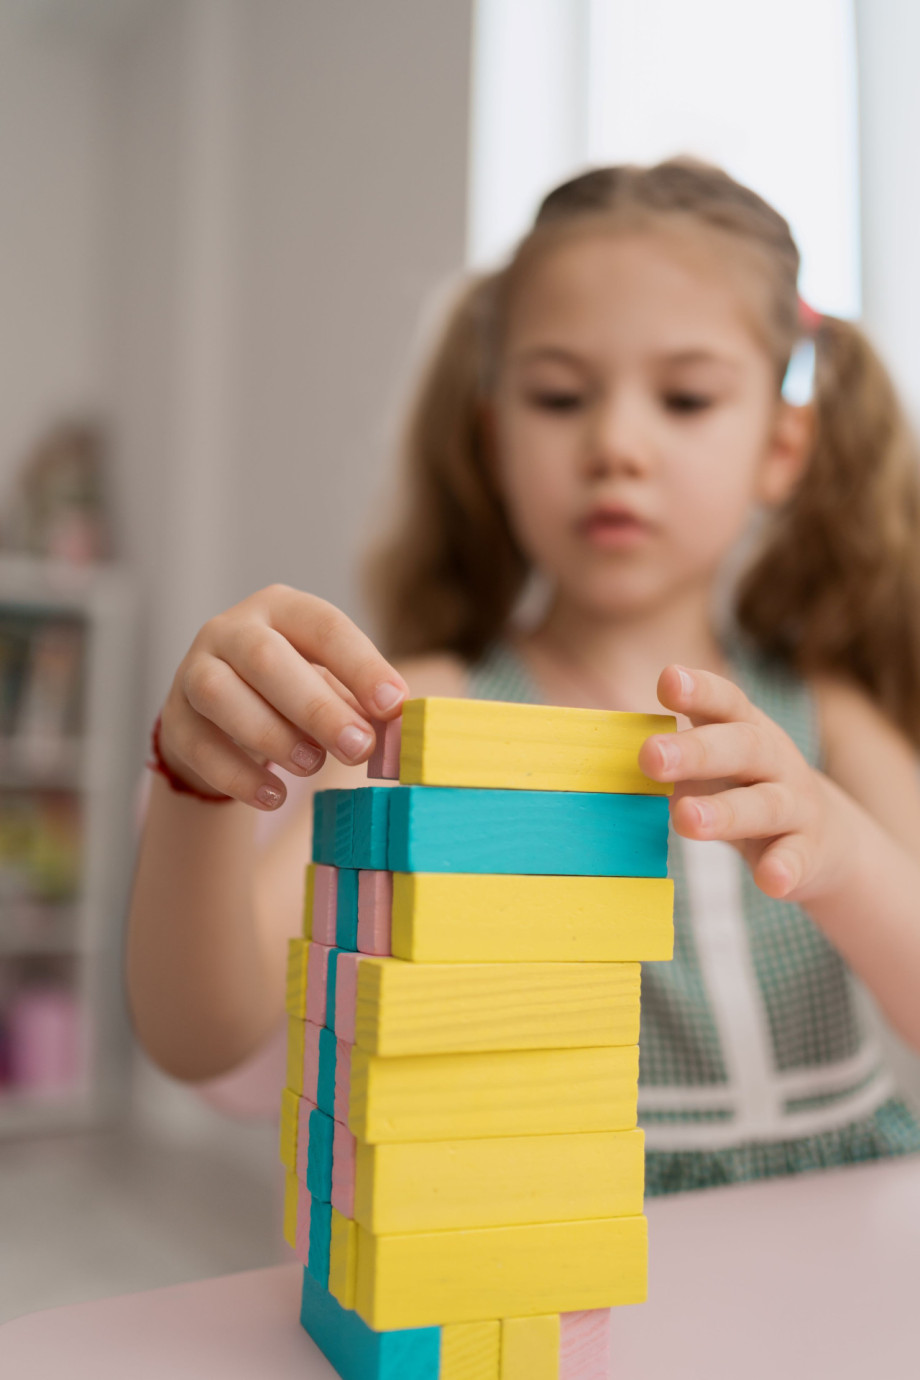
{"points": [[835, 586]]}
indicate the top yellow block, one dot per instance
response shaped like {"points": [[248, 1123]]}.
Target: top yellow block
{"points": [[532, 747]]}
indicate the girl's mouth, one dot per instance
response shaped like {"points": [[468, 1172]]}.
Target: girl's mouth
{"points": [[613, 528]]}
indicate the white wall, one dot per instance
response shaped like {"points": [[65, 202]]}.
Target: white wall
{"points": [[290, 187], [51, 209]]}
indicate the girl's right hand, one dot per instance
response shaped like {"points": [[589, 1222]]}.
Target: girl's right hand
{"points": [[282, 677]]}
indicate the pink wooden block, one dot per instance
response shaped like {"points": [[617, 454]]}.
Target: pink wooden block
{"points": [[342, 1101], [317, 972], [343, 1170], [311, 1060], [375, 912], [303, 1137], [346, 996], [383, 763], [302, 1229], [325, 898], [585, 1352]]}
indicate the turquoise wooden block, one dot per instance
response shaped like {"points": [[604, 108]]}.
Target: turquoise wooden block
{"points": [[357, 1352], [346, 907], [371, 831], [319, 1156], [325, 1083], [320, 1236], [445, 829]]}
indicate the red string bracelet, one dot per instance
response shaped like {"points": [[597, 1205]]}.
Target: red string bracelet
{"points": [[159, 764]]}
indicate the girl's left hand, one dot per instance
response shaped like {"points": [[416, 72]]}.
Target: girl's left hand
{"points": [[740, 778]]}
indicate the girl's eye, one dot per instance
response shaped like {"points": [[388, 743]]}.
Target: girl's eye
{"points": [[556, 400], [687, 402]]}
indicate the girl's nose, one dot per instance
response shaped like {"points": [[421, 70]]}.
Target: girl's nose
{"points": [[620, 443]]}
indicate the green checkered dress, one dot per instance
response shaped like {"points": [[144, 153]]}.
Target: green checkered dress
{"points": [[754, 1059]]}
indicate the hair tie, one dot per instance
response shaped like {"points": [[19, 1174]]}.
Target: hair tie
{"points": [[158, 763], [809, 319]]}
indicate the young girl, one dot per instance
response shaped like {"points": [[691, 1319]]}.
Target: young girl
{"points": [[603, 419]]}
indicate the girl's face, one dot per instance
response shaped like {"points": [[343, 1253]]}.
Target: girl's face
{"points": [[635, 419]]}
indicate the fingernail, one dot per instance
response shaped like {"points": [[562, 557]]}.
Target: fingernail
{"points": [[686, 680], [352, 741], [307, 756], [705, 814], [670, 752], [387, 696], [269, 796]]}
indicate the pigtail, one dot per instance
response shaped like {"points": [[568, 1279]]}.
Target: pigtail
{"points": [[449, 573], [837, 584]]}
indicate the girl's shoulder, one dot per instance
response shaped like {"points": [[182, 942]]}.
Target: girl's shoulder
{"points": [[440, 673], [868, 755]]}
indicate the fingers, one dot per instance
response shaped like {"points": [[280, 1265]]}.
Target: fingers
{"points": [[265, 660], [216, 693], [199, 747], [739, 751], [705, 697], [322, 633], [764, 811]]}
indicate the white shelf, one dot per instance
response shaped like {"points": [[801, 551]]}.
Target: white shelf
{"points": [[98, 769]]}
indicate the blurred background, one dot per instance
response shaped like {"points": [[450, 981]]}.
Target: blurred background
{"points": [[225, 226]]}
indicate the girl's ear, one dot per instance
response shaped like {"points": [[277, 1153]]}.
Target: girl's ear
{"points": [[787, 454]]}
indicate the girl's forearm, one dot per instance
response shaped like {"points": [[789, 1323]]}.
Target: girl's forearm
{"points": [[197, 968], [870, 911]]}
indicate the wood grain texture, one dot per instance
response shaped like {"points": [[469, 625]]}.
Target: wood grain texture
{"points": [[317, 973], [444, 917], [530, 1348], [295, 996], [440, 829], [358, 1353], [305, 1108], [496, 1181], [466, 1276], [290, 1112], [443, 1008], [344, 1149], [383, 763], [469, 1096], [471, 1351], [375, 908], [585, 1345], [346, 995], [462, 742], [346, 914], [342, 1099], [325, 899], [343, 1259], [319, 1155], [295, 1054]]}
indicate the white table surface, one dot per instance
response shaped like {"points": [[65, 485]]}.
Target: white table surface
{"points": [[816, 1276]]}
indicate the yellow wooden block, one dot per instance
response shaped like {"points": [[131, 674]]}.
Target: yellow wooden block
{"points": [[444, 917], [530, 1348], [435, 1008], [308, 901], [291, 1189], [296, 993], [295, 1052], [449, 742], [466, 1096], [343, 1259], [470, 1351], [498, 1181], [426, 1278], [290, 1111]]}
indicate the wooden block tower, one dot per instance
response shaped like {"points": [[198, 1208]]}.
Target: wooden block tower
{"points": [[464, 1171]]}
